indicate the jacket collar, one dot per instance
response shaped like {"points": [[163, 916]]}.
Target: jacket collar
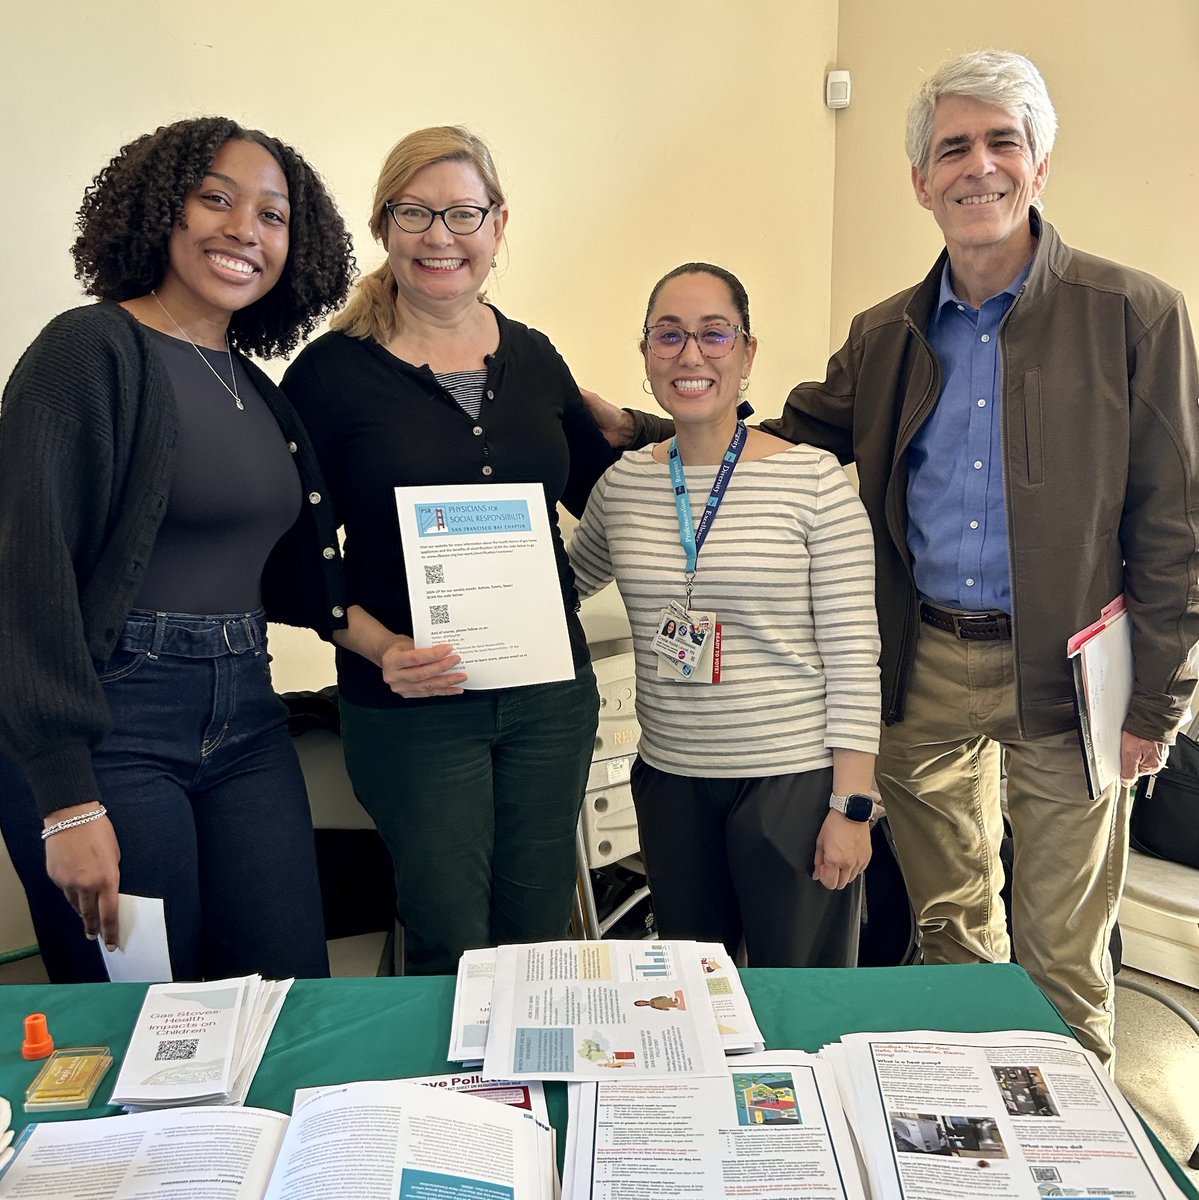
{"points": [[1048, 264]]}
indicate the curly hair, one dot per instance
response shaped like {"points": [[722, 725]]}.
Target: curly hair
{"points": [[132, 206]]}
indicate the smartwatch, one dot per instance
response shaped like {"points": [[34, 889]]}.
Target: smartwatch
{"points": [[857, 806]]}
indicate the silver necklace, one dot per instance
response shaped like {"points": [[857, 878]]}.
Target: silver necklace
{"points": [[231, 390]]}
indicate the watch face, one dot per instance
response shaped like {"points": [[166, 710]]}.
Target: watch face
{"points": [[859, 808]]}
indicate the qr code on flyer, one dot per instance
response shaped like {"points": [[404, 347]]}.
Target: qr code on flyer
{"points": [[434, 573], [439, 614], [1046, 1174], [176, 1050]]}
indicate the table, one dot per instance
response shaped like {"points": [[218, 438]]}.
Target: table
{"points": [[337, 1030]]}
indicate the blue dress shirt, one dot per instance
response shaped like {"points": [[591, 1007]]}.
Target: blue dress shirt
{"points": [[957, 507]]}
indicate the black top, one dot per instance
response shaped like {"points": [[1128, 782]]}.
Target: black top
{"points": [[88, 431], [234, 494], [379, 423]]}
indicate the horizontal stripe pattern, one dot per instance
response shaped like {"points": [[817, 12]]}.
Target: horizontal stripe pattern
{"points": [[788, 568], [467, 388]]}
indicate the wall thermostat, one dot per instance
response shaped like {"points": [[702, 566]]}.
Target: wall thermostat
{"points": [[837, 89]]}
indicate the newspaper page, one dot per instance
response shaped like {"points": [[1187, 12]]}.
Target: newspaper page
{"points": [[481, 575], [771, 1129], [735, 1021], [581, 1010], [1012, 1114]]}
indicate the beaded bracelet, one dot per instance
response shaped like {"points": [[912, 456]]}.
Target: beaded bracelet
{"points": [[73, 822]]}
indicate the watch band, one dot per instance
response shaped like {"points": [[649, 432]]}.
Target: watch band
{"points": [[857, 806]]}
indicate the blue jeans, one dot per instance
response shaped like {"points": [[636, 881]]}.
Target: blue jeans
{"points": [[206, 795], [477, 799]]}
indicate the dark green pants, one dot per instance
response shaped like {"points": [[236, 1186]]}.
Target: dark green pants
{"points": [[477, 799]]}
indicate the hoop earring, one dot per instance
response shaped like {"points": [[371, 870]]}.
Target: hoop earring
{"points": [[645, 386], [493, 263], [743, 386]]}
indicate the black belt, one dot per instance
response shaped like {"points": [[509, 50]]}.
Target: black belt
{"points": [[989, 626]]}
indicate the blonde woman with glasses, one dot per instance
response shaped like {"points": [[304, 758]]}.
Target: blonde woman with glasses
{"points": [[476, 792]]}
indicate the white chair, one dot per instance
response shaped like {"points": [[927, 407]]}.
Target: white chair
{"points": [[1159, 924]]}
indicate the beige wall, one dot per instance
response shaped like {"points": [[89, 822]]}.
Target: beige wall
{"points": [[630, 138], [1123, 179]]}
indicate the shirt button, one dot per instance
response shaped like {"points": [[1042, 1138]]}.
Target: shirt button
{"points": [[978, 465], [477, 431], [969, 582], [314, 497], [973, 524], [329, 552], [982, 403], [961, 308], [486, 470], [986, 337], [338, 611], [490, 394], [292, 447]]}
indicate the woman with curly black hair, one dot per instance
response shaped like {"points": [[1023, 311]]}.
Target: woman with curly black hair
{"points": [[159, 499]]}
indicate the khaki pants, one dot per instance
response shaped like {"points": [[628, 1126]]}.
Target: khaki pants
{"points": [[939, 774]]}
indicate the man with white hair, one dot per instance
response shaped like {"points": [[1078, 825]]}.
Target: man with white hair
{"points": [[1026, 431]]}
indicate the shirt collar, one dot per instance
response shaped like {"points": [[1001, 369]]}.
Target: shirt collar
{"points": [[947, 295]]}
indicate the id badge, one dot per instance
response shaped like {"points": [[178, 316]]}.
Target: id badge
{"points": [[685, 644]]}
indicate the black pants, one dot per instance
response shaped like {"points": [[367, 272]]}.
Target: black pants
{"points": [[730, 860]]}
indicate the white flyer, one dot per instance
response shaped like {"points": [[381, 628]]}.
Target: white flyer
{"points": [[142, 955], [587, 1010], [771, 1129], [482, 577]]}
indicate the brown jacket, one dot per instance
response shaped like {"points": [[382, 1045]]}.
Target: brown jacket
{"points": [[1101, 451]]}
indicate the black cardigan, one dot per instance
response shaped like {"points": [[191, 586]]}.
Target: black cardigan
{"points": [[378, 422], [87, 454]]}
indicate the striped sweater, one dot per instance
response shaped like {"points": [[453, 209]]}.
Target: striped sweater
{"points": [[788, 568]]}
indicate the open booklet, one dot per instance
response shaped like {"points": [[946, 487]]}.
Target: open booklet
{"points": [[371, 1141], [735, 1023], [1014, 1114], [772, 1128]]}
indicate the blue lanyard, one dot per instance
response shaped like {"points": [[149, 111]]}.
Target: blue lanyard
{"points": [[692, 538]]}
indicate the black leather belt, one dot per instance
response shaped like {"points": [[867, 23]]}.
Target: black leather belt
{"points": [[989, 626]]}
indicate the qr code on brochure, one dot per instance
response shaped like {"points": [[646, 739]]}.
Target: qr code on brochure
{"points": [[434, 573], [176, 1050], [1046, 1174], [439, 614]]}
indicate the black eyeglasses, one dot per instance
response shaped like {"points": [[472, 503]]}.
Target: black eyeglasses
{"points": [[459, 218], [714, 340]]}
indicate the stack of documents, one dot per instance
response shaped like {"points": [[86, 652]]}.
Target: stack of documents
{"points": [[5, 1131], [199, 1043], [581, 1010], [770, 1126], [1101, 660], [1017, 1114], [893, 1116]]}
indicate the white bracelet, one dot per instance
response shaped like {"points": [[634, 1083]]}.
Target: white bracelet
{"points": [[73, 822]]}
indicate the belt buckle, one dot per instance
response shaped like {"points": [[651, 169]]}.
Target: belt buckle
{"points": [[997, 626]]}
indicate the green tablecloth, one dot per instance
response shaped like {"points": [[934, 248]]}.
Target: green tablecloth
{"points": [[336, 1030]]}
